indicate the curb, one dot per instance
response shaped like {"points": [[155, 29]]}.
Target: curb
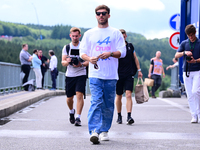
{"points": [[8, 110]]}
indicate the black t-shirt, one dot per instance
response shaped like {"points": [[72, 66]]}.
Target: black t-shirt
{"points": [[185, 46], [43, 59], [125, 64]]}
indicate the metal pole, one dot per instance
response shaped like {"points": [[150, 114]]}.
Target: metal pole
{"points": [[37, 20]]}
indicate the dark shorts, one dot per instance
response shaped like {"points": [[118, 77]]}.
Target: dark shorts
{"points": [[75, 84], [124, 84]]}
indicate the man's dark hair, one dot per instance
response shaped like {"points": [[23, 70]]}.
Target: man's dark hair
{"points": [[176, 59], [24, 45], [51, 52], [122, 31], [190, 29], [102, 7], [34, 51]]}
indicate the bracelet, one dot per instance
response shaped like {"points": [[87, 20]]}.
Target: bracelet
{"points": [[139, 69], [111, 54]]}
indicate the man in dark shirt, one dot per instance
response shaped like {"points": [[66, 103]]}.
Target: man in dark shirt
{"points": [[43, 66], [126, 79], [190, 49]]}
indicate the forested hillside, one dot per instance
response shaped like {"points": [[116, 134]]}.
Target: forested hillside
{"points": [[55, 37]]}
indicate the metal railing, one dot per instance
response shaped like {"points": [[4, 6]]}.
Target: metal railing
{"points": [[10, 78], [174, 78]]}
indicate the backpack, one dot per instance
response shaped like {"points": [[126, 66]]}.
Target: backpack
{"points": [[30, 85], [67, 50], [134, 67]]}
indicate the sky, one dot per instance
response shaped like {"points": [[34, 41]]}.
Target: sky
{"points": [[147, 17]]}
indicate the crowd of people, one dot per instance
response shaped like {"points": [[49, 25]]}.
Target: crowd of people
{"points": [[40, 64], [107, 55]]}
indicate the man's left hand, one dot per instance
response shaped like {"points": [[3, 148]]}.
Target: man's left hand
{"points": [[192, 61], [163, 75], [104, 55]]}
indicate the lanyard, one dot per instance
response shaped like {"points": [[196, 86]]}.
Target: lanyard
{"points": [[192, 47]]}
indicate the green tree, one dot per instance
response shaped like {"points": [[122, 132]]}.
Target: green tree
{"points": [[1, 30]]}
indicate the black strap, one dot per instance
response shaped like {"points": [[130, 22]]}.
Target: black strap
{"points": [[187, 71], [67, 48]]}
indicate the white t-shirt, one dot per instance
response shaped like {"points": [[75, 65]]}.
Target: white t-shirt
{"points": [[98, 40], [176, 64], [53, 62], [71, 71]]}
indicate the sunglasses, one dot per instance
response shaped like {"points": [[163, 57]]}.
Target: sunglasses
{"points": [[99, 13], [96, 66]]}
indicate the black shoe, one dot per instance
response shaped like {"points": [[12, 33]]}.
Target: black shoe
{"points": [[72, 118], [130, 121], [119, 120], [77, 122], [153, 96]]}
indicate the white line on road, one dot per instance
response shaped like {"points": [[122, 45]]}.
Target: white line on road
{"points": [[174, 104], [68, 134]]}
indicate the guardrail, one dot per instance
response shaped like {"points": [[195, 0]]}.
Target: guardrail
{"points": [[10, 78]]}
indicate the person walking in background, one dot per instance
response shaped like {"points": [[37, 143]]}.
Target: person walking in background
{"points": [[75, 81], [190, 50], [25, 59], [102, 46], [155, 72], [175, 61], [53, 68], [43, 66], [126, 80], [36, 62]]}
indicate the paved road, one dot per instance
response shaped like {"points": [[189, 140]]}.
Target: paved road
{"points": [[162, 124]]}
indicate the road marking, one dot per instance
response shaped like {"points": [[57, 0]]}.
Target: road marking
{"points": [[174, 104], [113, 135]]}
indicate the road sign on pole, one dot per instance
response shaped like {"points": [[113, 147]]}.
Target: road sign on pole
{"points": [[174, 22], [174, 40]]}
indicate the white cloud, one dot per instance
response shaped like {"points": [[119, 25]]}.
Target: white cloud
{"points": [[152, 34], [5, 6], [134, 5]]}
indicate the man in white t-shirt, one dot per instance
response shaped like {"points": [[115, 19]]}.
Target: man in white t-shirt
{"points": [[175, 61], [102, 46], [75, 75]]}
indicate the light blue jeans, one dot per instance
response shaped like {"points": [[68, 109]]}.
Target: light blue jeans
{"points": [[100, 114]]}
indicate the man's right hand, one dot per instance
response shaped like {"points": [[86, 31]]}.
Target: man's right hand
{"points": [[93, 60], [188, 53], [68, 59]]}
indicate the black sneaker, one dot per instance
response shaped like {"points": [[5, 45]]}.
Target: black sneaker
{"points": [[153, 96], [130, 121], [77, 122], [119, 120], [72, 118]]}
